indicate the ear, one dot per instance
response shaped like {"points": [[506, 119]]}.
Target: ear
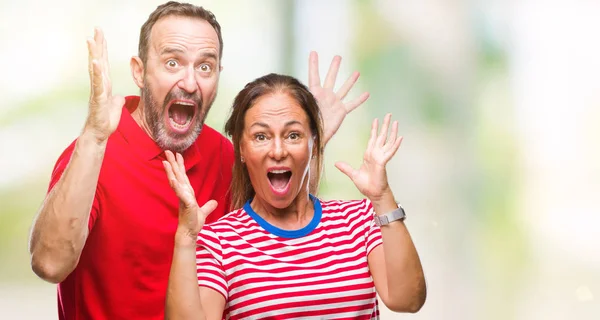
{"points": [[314, 147], [137, 71], [242, 153], [220, 68], [242, 147]]}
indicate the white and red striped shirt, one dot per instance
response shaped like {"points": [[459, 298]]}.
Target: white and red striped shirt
{"points": [[319, 271]]}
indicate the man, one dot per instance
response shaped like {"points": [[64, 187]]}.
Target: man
{"points": [[105, 231]]}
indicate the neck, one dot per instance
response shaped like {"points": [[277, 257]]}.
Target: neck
{"points": [[294, 217], [139, 117]]}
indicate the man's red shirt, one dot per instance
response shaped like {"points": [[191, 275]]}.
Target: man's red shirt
{"points": [[124, 267]]}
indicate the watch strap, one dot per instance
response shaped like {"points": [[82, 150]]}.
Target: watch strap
{"points": [[385, 219]]}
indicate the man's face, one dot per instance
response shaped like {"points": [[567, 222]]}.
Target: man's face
{"points": [[180, 80]]}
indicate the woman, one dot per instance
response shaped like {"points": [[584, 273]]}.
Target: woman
{"points": [[285, 253]]}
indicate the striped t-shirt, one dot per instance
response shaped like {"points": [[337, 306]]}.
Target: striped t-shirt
{"points": [[319, 271]]}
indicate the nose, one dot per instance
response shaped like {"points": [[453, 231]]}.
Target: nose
{"points": [[278, 150], [188, 82]]}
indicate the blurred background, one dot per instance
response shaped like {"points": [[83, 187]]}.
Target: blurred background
{"points": [[498, 102]]}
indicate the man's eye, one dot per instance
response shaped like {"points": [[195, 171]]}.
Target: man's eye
{"points": [[205, 68], [172, 63]]}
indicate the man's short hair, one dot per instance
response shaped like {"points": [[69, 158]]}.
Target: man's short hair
{"points": [[174, 8]]}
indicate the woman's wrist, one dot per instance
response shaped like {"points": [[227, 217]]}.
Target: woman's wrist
{"points": [[384, 203], [184, 238]]}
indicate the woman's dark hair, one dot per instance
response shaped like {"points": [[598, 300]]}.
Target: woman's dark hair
{"points": [[241, 187]]}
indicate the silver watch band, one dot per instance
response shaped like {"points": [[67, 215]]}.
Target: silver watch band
{"points": [[390, 217]]}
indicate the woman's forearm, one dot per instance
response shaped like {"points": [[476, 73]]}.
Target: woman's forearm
{"points": [[183, 297], [406, 289]]}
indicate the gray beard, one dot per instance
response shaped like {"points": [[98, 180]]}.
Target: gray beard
{"points": [[154, 116]]}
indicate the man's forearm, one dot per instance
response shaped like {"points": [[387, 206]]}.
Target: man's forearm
{"points": [[60, 229]]}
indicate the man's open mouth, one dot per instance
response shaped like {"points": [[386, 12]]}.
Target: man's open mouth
{"points": [[181, 114]]}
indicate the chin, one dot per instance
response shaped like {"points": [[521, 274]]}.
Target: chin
{"points": [[178, 142]]}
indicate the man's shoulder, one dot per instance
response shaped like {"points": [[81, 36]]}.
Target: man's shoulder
{"points": [[212, 141], [208, 133]]}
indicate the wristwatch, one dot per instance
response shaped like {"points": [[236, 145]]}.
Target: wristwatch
{"points": [[390, 217]]}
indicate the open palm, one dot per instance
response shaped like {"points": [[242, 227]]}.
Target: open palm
{"points": [[333, 108], [104, 109], [191, 216], [371, 177]]}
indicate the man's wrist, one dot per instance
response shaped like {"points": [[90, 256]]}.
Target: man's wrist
{"points": [[89, 137]]}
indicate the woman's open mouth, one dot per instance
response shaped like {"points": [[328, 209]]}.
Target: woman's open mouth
{"points": [[279, 179]]}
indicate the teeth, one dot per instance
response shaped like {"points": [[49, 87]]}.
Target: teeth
{"points": [[182, 103], [179, 126], [279, 171]]}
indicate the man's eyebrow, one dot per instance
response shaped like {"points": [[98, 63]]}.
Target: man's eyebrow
{"points": [[208, 54], [203, 55], [168, 50]]}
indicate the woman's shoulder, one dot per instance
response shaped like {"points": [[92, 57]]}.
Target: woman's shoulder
{"points": [[346, 208], [231, 221], [344, 204]]}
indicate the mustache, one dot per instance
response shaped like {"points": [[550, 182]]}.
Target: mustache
{"points": [[180, 94]]}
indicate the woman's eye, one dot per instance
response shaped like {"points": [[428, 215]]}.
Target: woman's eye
{"points": [[260, 137], [294, 136]]}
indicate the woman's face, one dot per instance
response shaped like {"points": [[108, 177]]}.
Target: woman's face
{"points": [[277, 146]]}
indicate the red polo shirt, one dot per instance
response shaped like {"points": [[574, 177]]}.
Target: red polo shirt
{"points": [[124, 267]]}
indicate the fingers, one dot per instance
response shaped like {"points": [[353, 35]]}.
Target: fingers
{"points": [[346, 169], [170, 174], [178, 167], [334, 67], [206, 209], [118, 101], [182, 167], [373, 136], [357, 102], [384, 130], [313, 70], [347, 86], [104, 52], [388, 143], [96, 79], [97, 62], [395, 147], [90, 45], [96, 45], [393, 134]]}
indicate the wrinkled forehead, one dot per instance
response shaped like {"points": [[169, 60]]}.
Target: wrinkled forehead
{"points": [[276, 110], [183, 33]]}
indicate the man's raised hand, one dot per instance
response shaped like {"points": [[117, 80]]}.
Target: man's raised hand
{"points": [[104, 109]]}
